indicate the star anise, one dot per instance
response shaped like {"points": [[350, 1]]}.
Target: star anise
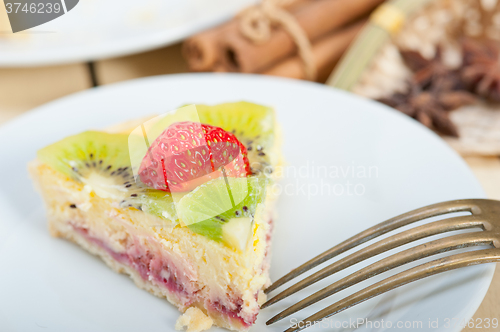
{"points": [[433, 71], [431, 107], [481, 67], [434, 91]]}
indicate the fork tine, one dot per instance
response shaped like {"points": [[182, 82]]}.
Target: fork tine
{"points": [[417, 233], [375, 231], [386, 264], [419, 272]]}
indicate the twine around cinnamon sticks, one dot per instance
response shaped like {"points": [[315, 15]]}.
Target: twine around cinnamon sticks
{"points": [[256, 24], [328, 25]]}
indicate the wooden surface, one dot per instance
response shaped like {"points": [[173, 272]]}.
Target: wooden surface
{"points": [[24, 89]]}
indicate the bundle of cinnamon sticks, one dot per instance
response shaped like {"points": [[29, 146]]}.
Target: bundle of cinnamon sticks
{"points": [[330, 26]]}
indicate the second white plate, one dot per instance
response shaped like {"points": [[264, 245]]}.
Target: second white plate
{"points": [[97, 29]]}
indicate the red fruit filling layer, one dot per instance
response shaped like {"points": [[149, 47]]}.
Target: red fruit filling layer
{"points": [[233, 314], [158, 270]]}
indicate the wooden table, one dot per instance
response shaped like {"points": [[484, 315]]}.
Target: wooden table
{"points": [[26, 88]]}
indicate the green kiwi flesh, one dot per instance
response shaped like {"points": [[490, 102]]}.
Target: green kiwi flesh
{"points": [[102, 161], [77, 155], [244, 119], [212, 228], [252, 124]]}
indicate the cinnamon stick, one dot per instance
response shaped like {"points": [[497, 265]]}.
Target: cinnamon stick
{"points": [[202, 51], [317, 18], [327, 51]]}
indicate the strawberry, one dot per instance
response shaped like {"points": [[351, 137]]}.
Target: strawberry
{"points": [[188, 154]]}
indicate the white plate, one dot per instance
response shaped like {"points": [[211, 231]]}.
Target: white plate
{"points": [[47, 282], [97, 29]]}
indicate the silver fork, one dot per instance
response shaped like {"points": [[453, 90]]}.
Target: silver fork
{"points": [[485, 215]]}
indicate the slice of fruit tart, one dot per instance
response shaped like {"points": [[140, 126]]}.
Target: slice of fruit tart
{"points": [[188, 217]]}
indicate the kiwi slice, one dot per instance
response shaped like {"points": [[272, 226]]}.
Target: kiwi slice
{"points": [[252, 124], [101, 161], [156, 202], [247, 192], [244, 119], [212, 198], [76, 156]]}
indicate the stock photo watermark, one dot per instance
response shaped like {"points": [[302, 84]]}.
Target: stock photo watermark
{"points": [[329, 323], [26, 14], [312, 180]]}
